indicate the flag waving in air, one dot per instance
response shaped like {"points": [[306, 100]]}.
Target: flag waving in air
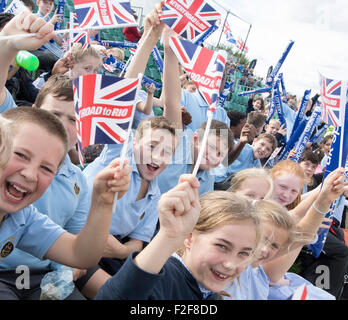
{"points": [[81, 37], [104, 13], [189, 18], [205, 67], [228, 33], [331, 99], [104, 108], [241, 45]]}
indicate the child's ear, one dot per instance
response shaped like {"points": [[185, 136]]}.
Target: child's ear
{"points": [[188, 242]]}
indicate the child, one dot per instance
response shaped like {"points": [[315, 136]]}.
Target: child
{"points": [[325, 146], [258, 105], [150, 152], [281, 236], [250, 156], [220, 138], [309, 162], [27, 177], [253, 183], [214, 238]]}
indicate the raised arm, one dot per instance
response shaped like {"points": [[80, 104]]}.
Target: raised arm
{"points": [[23, 23], [333, 187]]}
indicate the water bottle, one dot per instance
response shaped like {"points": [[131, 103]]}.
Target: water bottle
{"points": [[27, 60]]}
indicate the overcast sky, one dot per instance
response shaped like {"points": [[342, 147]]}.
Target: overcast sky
{"points": [[318, 27]]}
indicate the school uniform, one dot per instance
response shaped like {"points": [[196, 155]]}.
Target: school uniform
{"points": [[65, 202], [135, 219], [174, 282], [198, 107], [245, 160], [29, 231], [181, 163], [8, 102], [138, 115]]}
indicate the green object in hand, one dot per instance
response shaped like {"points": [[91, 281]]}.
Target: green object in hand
{"points": [[27, 60]]}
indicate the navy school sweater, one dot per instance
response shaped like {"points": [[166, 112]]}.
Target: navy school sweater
{"points": [[174, 282]]}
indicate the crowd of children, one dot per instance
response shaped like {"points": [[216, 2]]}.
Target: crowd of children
{"points": [[148, 228]]}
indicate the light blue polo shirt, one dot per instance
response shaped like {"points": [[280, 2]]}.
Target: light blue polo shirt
{"points": [[8, 103], [253, 284], [197, 107], [65, 202], [138, 115], [245, 160], [135, 219], [29, 231], [182, 163]]}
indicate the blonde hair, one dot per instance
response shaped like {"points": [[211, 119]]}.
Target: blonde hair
{"points": [[5, 142], [256, 173], [275, 121], [222, 207], [274, 213], [78, 54], [288, 166]]}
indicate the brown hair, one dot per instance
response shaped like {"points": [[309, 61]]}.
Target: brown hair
{"points": [[310, 156], [256, 118], [59, 86], [288, 166], [40, 117], [262, 109], [270, 138], [157, 122]]}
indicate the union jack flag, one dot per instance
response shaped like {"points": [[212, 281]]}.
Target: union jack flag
{"points": [[241, 45], [65, 44], [301, 293], [104, 13], [204, 66], [228, 33], [104, 108], [331, 99], [189, 18], [81, 37]]}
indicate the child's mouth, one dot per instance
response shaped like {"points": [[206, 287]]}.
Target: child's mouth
{"points": [[15, 192], [218, 275], [152, 167]]}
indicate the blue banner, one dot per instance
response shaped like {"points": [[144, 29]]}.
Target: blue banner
{"points": [[261, 90], [158, 59], [224, 94], [304, 139], [301, 111], [292, 140], [118, 44], [277, 100], [281, 78], [206, 34], [276, 69], [60, 10], [2, 5], [319, 134], [337, 158]]}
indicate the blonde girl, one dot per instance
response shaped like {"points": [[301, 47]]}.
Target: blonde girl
{"points": [[202, 245], [5, 143]]}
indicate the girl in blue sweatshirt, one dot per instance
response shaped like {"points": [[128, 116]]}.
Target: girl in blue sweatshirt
{"points": [[202, 245]]}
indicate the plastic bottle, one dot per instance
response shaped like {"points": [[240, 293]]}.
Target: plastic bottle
{"points": [[27, 60]]}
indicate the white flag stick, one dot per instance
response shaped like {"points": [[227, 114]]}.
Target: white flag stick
{"points": [[125, 144], [204, 142]]}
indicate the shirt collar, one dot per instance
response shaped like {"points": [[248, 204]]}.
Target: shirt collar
{"points": [[205, 292]]}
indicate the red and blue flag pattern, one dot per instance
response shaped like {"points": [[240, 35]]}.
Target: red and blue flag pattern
{"points": [[104, 13], [189, 18], [104, 108]]}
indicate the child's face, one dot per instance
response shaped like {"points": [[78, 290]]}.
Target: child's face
{"points": [[286, 188], [65, 111], [274, 238], [35, 160], [308, 168], [326, 147], [153, 152], [257, 104], [215, 151], [45, 6], [262, 148], [191, 88], [272, 128], [87, 65], [253, 188], [219, 256]]}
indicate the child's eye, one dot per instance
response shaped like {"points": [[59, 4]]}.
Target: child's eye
{"points": [[21, 155], [244, 253], [47, 169], [222, 246]]}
